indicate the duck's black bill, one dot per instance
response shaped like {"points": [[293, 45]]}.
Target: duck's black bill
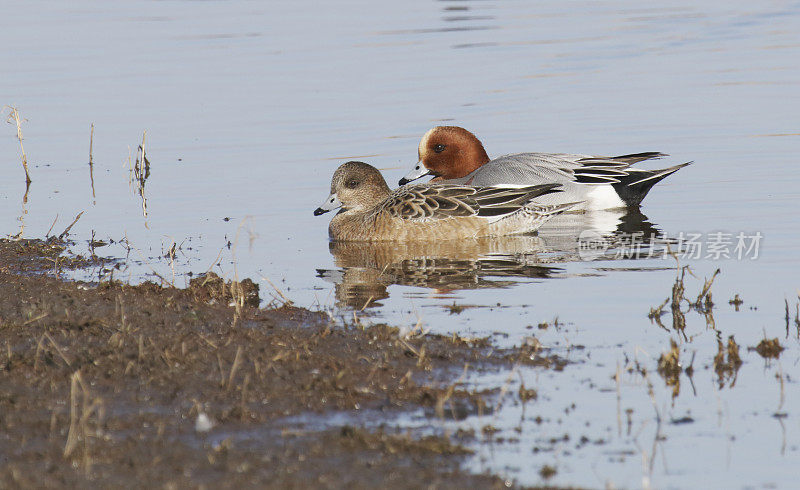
{"points": [[404, 181], [319, 211]]}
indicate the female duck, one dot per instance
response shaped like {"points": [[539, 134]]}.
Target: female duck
{"points": [[372, 212], [454, 155]]}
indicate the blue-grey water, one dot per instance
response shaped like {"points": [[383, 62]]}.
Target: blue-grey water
{"points": [[248, 107]]}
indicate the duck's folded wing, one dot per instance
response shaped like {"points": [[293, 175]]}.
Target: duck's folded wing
{"points": [[433, 202], [499, 201], [523, 169]]}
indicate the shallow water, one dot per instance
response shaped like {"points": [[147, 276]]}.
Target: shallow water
{"points": [[248, 109]]}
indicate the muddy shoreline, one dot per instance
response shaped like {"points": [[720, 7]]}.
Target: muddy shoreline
{"points": [[143, 386]]}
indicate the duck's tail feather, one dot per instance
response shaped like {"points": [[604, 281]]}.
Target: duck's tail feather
{"points": [[600, 175], [639, 157], [609, 170], [633, 187]]}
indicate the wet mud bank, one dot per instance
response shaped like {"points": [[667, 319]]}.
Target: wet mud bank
{"points": [[150, 385]]}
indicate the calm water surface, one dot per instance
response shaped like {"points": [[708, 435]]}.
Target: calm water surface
{"points": [[249, 107]]}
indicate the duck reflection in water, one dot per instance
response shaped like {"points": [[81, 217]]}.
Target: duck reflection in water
{"points": [[366, 269], [617, 227]]}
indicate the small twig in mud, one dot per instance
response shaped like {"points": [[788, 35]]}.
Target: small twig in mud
{"points": [[524, 393], [703, 304], [669, 367], [212, 265], [66, 231], [13, 115], [140, 348], [141, 172], [21, 220], [780, 376], [421, 358], [678, 288], [443, 398], [43, 315], [237, 293], [40, 347], [119, 308], [414, 332], [171, 256], [91, 163], [286, 301], [91, 142], [141, 168], [47, 235], [410, 348], [705, 293], [656, 313], [237, 361], [727, 369], [82, 407], [58, 349], [243, 408]]}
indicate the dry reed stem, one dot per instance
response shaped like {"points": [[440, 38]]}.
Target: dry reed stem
{"points": [[141, 172], [91, 143], [237, 292], [171, 253], [91, 163], [47, 235], [706, 287], [237, 361], [286, 301], [245, 383], [82, 407], [35, 319], [13, 115], [57, 348], [442, 399], [66, 231]]}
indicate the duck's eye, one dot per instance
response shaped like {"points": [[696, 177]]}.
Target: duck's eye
{"points": [[439, 148], [351, 184]]}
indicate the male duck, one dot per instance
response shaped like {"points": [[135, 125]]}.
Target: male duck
{"points": [[454, 155]]}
